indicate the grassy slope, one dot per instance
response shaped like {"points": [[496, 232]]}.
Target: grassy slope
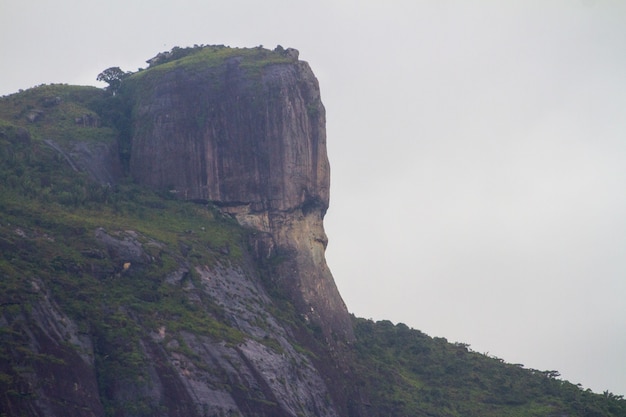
{"points": [[56, 108], [48, 215], [190, 58]]}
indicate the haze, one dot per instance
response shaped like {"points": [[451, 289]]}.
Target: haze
{"points": [[478, 152]]}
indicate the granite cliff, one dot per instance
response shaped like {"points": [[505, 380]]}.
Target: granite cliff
{"points": [[247, 133]]}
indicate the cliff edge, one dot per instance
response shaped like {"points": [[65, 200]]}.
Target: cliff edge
{"points": [[245, 130]]}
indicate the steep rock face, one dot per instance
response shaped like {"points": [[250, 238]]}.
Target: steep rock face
{"points": [[248, 134]]}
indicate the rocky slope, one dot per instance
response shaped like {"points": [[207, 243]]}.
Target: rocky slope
{"points": [[106, 365]]}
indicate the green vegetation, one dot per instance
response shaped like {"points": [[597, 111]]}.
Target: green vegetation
{"points": [[409, 373], [114, 77], [59, 112], [211, 56]]}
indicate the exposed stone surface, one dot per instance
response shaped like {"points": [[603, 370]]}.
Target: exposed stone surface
{"points": [[123, 246], [253, 142], [225, 135], [277, 374], [87, 120], [99, 160]]}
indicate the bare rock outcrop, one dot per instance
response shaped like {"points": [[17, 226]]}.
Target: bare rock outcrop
{"points": [[247, 132]]}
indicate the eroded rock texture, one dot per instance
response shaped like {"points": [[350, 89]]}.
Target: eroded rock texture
{"points": [[249, 137]]}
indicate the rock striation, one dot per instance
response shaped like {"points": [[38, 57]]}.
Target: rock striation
{"points": [[245, 130]]}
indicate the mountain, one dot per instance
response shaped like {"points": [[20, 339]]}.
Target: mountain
{"points": [[162, 254]]}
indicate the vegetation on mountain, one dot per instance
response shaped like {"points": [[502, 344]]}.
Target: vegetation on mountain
{"points": [[54, 219], [114, 77], [409, 373]]}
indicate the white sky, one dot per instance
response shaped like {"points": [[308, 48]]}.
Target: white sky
{"points": [[478, 151]]}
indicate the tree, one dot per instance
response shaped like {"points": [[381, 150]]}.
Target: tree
{"points": [[113, 76]]}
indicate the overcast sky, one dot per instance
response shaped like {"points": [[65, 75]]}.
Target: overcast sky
{"points": [[478, 151]]}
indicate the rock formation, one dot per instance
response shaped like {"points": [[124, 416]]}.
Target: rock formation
{"points": [[247, 132]]}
